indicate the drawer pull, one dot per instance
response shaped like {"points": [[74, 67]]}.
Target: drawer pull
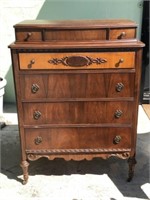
{"points": [[31, 63], [38, 140], [119, 87], [121, 60], [35, 88], [117, 139], [122, 35], [77, 61], [28, 36], [36, 115], [118, 114]]}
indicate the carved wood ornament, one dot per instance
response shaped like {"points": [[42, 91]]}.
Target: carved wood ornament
{"points": [[105, 153], [77, 61]]}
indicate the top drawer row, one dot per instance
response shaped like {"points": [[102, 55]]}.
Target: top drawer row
{"points": [[39, 34]]}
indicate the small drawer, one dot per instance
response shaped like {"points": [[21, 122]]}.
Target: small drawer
{"points": [[31, 61], [75, 35], [77, 138], [122, 34], [78, 113], [28, 35]]}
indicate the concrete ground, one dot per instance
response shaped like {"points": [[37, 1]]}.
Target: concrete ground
{"points": [[72, 180]]}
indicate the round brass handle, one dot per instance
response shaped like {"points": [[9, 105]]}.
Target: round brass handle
{"points": [[122, 35], [38, 140], [118, 114], [121, 60], [31, 63], [117, 139], [34, 88], [119, 87], [37, 115], [28, 36]]}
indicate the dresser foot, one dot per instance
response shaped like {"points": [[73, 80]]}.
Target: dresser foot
{"points": [[25, 165], [131, 163]]}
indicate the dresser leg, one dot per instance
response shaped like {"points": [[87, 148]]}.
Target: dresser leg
{"points": [[24, 164], [131, 163]]}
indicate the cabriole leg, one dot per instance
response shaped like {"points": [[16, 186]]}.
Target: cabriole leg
{"points": [[24, 164], [131, 163]]}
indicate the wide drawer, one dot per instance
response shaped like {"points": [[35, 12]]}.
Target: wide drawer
{"points": [[77, 85], [122, 33], [74, 35], [78, 113], [77, 138], [31, 61]]}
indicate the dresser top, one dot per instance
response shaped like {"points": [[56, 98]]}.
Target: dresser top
{"points": [[72, 24]]}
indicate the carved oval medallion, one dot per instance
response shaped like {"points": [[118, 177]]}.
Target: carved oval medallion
{"points": [[77, 61]]}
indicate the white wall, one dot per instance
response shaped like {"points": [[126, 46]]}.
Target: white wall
{"points": [[12, 12]]}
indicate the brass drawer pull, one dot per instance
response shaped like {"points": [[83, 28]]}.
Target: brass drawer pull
{"points": [[77, 61], [28, 36], [118, 114], [37, 115], [31, 63], [35, 88], [121, 60], [117, 139], [119, 87], [38, 140], [122, 35]]}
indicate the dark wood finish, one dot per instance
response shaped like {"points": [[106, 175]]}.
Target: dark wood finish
{"points": [[84, 85], [77, 113], [77, 87], [77, 35], [77, 138], [122, 34], [27, 35]]}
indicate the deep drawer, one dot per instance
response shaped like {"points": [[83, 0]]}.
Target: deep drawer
{"points": [[77, 85], [78, 113], [77, 138], [31, 61]]}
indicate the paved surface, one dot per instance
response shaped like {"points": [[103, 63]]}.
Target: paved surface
{"points": [[73, 180]]}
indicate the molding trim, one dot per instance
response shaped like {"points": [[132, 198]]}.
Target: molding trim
{"points": [[77, 61], [77, 154]]}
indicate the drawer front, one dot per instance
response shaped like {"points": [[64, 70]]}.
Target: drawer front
{"points": [[28, 35], [75, 35], [77, 86], [31, 61], [122, 34], [78, 113], [33, 86], [77, 138]]}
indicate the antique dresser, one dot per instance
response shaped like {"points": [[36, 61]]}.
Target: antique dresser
{"points": [[77, 88]]}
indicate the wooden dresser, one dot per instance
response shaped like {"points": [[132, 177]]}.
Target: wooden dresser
{"points": [[77, 88]]}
